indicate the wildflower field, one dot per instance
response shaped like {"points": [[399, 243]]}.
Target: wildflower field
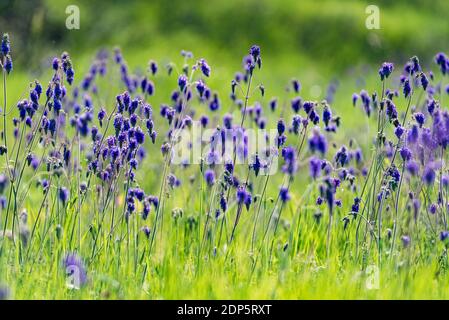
{"points": [[157, 179]]}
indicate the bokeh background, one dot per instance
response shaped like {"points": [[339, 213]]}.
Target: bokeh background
{"points": [[329, 34], [319, 42]]}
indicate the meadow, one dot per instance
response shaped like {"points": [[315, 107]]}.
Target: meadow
{"points": [[98, 200]]}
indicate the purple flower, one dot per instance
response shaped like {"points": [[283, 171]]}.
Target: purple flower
{"points": [[118, 123], [200, 87], [150, 88], [146, 209], [391, 110], [428, 175], [420, 118], [327, 191], [186, 54], [204, 67], [296, 104], [248, 201], [173, 181], [327, 115], [445, 180], [75, 270], [70, 73], [405, 153], [223, 204], [214, 105], [281, 126], [407, 88], [355, 206], [130, 206], [3, 202], [433, 208], [412, 167], [284, 195], [341, 157], [444, 235], [153, 67], [204, 121], [243, 196], [273, 104], [38, 88], [209, 176], [153, 200], [385, 70], [182, 82], [138, 193], [227, 121], [366, 101], [248, 65], [256, 165], [416, 207], [405, 240], [139, 135], [399, 131], [63, 194], [55, 64], [424, 81], [413, 134], [355, 97], [83, 187], [254, 51], [358, 155], [416, 67], [296, 85], [8, 64], [229, 167], [291, 165], [393, 172], [317, 142], [442, 60], [233, 85], [296, 124], [146, 231], [5, 47], [281, 139]]}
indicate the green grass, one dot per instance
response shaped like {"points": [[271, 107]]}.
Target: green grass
{"points": [[299, 39], [122, 268]]}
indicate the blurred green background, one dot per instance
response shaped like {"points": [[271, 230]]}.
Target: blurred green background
{"points": [[331, 33]]}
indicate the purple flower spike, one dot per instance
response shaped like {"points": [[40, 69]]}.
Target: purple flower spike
{"points": [[284, 194], [385, 70], [209, 176]]}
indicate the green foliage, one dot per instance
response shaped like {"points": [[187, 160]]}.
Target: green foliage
{"points": [[331, 32]]}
